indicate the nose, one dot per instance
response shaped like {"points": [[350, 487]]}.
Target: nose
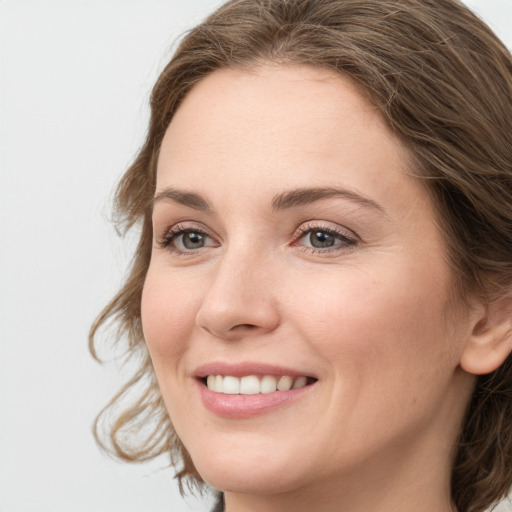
{"points": [[241, 301]]}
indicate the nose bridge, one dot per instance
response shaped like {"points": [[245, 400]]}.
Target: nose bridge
{"points": [[241, 299]]}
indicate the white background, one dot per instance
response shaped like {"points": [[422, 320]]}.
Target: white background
{"points": [[74, 81]]}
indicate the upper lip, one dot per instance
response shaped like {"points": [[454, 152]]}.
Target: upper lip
{"points": [[247, 368]]}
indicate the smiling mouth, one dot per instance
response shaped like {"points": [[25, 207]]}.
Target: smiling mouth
{"points": [[253, 384]]}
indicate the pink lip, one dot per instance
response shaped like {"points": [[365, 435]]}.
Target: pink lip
{"points": [[246, 406]]}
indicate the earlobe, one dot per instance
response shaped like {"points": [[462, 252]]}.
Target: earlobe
{"points": [[490, 341]]}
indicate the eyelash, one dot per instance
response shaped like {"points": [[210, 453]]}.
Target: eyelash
{"points": [[347, 242]]}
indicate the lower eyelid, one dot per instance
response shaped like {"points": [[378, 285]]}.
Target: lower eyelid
{"points": [[345, 235]]}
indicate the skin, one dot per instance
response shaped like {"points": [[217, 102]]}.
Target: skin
{"points": [[373, 319]]}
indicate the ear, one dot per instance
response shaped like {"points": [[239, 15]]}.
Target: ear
{"points": [[490, 341]]}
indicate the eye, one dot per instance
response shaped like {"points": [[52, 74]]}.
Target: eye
{"points": [[182, 239], [324, 239], [321, 239], [191, 240]]}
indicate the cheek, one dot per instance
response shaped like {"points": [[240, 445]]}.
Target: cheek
{"points": [[168, 317], [382, 329], [389, 356]]}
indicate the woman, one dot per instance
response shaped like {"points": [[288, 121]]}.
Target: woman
{"points": [[321, 295]]}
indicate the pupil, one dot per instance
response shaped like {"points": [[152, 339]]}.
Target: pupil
{"points": [[321, 239], [193, 240]]}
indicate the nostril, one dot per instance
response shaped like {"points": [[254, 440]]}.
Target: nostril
{"points": [[245, 327]]}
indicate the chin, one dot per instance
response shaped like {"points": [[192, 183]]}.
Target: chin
{"points": [[245, 475], [259, 484]]}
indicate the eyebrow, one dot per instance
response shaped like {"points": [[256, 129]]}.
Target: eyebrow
{"points": [[189, 199], [284, 201], [304, 196]]}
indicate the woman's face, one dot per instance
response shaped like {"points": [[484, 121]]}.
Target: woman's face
{"points": [[289, 241]]}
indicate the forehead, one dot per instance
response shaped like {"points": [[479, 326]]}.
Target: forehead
{"points": [[279, 127], [293, 105]]}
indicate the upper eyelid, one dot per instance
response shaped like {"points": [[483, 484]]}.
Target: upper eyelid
{"points": [[186, 225], [327, 226], [178, 228]]}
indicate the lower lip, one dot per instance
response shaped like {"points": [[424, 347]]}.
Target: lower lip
{"points": [[247, 406]]}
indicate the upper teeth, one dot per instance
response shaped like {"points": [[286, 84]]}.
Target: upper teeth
{"points": [[253, 385]]}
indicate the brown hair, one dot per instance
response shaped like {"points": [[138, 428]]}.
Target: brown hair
{"points": [[443, 81]]}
